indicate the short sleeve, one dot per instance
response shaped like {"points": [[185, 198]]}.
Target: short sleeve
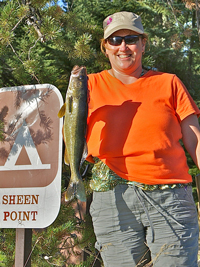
{"points": [[183, 102]]}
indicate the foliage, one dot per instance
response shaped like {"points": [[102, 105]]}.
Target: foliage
{"points": [[7, 246], [43, 42]]}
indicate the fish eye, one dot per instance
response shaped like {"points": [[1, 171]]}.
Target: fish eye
{"points": [[81, 77]]}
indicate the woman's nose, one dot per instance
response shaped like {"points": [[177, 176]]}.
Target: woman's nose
{"points": [[123, 46]]}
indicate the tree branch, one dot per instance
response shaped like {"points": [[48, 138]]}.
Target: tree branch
{"points": [[198, 17], [17, 23], [174, 13]]}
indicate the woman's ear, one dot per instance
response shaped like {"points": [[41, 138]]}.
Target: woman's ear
{"points": [[143, 45]]}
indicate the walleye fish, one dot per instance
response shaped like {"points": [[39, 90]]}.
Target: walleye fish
{"points": [[74, 129]]}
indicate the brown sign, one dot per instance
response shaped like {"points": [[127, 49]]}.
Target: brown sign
{"points": [[29, 151]]}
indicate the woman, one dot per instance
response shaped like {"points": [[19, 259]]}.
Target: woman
{"points": [[142, 208]]}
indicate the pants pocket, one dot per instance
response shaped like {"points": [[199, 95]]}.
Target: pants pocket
{"points": [[183, 206]]}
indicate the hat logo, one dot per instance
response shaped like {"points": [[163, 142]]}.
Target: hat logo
{"points": [[109, 21]]}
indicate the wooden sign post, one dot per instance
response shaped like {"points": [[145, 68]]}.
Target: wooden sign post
{"points": [[30, 162], [23, 247]]}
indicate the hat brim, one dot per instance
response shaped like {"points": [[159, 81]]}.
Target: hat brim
{"points": [[121, 27]]}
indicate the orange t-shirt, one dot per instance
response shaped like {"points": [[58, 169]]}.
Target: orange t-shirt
{"points": [[135, 128]]}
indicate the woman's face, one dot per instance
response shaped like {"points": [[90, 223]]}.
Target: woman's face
{"points": [[125, 58]]}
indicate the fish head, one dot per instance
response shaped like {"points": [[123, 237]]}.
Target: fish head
{"points": [[78, 81]]}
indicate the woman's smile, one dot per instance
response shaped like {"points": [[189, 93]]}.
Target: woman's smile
{"points": [[124, 56]]}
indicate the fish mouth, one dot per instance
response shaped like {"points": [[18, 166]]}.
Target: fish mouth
{"points": [[77, 69]]}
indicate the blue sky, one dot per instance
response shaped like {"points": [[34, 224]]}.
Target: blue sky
{"points": [[60, 3]]}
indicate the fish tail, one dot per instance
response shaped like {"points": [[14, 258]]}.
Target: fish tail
{"points": [[76, 189]]}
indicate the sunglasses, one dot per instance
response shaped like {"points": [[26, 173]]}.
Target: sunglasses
{"points": [[128, 39]]}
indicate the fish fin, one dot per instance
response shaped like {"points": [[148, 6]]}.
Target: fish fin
{"points": [[83, 174], [85, 153], [61, 112], [66, 158], [76, 189]]}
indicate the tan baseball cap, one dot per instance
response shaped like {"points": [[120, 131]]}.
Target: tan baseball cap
{"points": [[122, 20]]}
